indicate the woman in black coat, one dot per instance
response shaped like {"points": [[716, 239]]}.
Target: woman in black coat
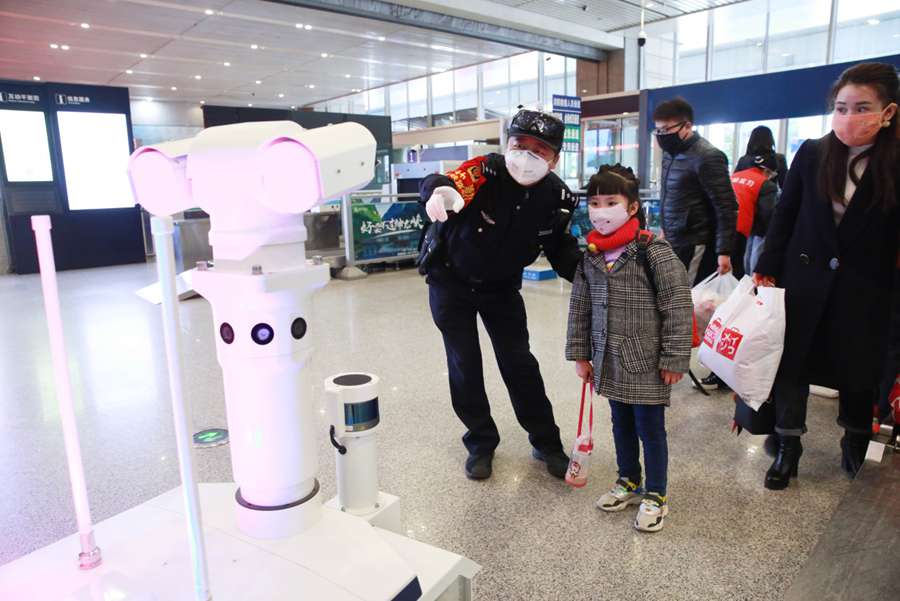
{"points": [[833, 246]]}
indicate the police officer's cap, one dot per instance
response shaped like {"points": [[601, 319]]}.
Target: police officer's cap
{"points": [[542, 126]]}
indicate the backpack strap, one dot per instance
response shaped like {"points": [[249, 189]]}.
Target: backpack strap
{"points": [[643, 239]]}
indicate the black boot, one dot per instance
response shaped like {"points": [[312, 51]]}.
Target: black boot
{"points": [[785, 466], [771, 445], [853, 451]]}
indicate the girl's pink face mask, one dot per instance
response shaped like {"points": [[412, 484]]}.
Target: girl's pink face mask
{"points": [[858, 129]]}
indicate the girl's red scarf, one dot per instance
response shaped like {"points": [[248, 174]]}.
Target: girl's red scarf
{"points": [[598, 242]]}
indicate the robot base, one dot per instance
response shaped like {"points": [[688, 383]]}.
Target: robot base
{"points": [[276, 522], [146, 558]]}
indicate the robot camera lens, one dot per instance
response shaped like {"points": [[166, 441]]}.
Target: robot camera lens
{"points": [[298, 328], [227, 333], [262, 333]]}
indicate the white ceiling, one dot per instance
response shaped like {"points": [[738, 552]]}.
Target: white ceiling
{"points": [[182, 41]]}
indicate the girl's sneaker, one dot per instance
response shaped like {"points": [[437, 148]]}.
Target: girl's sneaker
{"points": [[654, 509], [622, 494]]}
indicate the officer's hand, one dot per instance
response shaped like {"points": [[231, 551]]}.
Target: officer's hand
{"points": [[585, 371], [443, 199]]}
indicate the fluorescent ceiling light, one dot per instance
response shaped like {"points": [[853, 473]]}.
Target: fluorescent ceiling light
{"points": [[54, 46], [381, 38], [143, 55], [298, 25], [85, 25], [307, 27], [347, 76], [36, 78], [324, 55], [254, 46], [174, 89], [210, 11], [227, 64], [64, 47], [258, 82], [281, 95], [202, 102], [129, 71], [249, 104]]}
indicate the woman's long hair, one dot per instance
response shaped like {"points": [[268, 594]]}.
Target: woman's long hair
{"points": [[761, 141], [833, 171], [618, 179]]}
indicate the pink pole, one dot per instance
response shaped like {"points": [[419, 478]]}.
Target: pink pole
{"points": [[90, 556]]}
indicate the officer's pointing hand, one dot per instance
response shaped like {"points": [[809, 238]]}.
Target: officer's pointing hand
{"points": [[443, 199]]}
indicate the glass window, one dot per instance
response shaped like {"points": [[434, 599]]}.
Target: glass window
{"points": [[554, 78], [418, 103], [866, 28], [358, 104], [721, 135], [739, 31], [523, 71], [628, 155], [465, 89], [691, 37], [571, 81], [26, 152], [495, 76], [800, 129], [399, 109], [798, 34], [442, 98], [375, 100]]}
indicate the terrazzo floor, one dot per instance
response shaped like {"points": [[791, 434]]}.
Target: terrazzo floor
{"points": [[725, 538]]}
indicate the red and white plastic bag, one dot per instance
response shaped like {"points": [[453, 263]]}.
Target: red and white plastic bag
{"points": [[709, 294], [576, 475], [745, 339]]}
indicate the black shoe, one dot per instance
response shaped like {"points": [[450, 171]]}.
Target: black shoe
{"points": [[853, 451], [771, 445], [785, 465], [478, 467], [557, 462], [712, 382]]}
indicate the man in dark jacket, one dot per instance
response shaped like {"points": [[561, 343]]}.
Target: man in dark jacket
{"points": [[504, 210], [699, 209]]}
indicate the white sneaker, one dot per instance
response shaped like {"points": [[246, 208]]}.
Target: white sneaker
{"points": [[622, 494], [653, 511]]}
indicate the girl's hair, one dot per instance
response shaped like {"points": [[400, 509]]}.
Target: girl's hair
{"points": [[833, 168], [761, 141], [617, 179]]}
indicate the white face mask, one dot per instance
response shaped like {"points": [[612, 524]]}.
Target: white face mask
{"points": [[526, 167], [607, 220]]}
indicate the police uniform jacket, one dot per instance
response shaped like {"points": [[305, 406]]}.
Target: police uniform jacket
{"points": [[503, 227], [840, 293], [626, 331]]}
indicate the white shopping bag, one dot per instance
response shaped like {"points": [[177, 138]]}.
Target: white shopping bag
{"points": [[709, 294], [744, 341]]}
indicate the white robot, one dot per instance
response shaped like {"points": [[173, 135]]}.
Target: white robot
{"points": [[256, 180]]}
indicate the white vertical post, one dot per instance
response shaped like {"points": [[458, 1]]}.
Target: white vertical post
{"points": [[162, 228], [90, 556]]}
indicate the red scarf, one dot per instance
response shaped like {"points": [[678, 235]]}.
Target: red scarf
{"points": [[598, 242]]}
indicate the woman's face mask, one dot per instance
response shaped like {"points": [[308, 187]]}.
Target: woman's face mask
{"points": [[526, 167], [858, 129]]}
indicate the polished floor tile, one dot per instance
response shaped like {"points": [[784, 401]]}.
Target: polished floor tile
{"points": [[726, 537]]}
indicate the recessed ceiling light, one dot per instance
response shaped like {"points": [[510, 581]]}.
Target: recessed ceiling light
{"points": [[298, 25], [381, 38], [311, 86], [129, 71], [347, 76], [258, 82], [143, 55], [54, 46], [249, 104], [85, 25], [281, 95], [227, 64], [173, 88], [210, 11], [64, 47], [324, 55], [307, 27], [873, 21], [293, 108], [254, 46], [198, 77], [36, 78], [202, 102]]}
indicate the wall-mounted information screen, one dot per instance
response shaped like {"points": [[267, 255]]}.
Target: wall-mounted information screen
{"points": [[26, 153], [95, 158]]}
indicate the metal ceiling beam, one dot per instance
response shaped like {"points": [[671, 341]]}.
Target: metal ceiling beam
{"points": [[426, 19]]}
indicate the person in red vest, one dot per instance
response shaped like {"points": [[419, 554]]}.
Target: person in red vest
{"points": [[757, 194]]}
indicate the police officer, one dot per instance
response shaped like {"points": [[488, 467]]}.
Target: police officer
{"points": [[497, 214]]}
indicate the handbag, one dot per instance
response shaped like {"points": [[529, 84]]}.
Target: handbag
{"points": [[576, 475], [759, 421]]}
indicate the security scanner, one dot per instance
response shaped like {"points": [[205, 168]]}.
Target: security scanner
{"points": [[269, 535]]}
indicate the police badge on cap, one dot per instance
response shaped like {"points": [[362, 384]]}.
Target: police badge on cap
{"points": [[546, 128]]}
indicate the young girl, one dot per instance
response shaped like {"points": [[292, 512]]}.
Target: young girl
{"points": [[637, 334]]}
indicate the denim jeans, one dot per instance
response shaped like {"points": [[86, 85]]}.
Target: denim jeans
{"points": [[647, 423]]}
